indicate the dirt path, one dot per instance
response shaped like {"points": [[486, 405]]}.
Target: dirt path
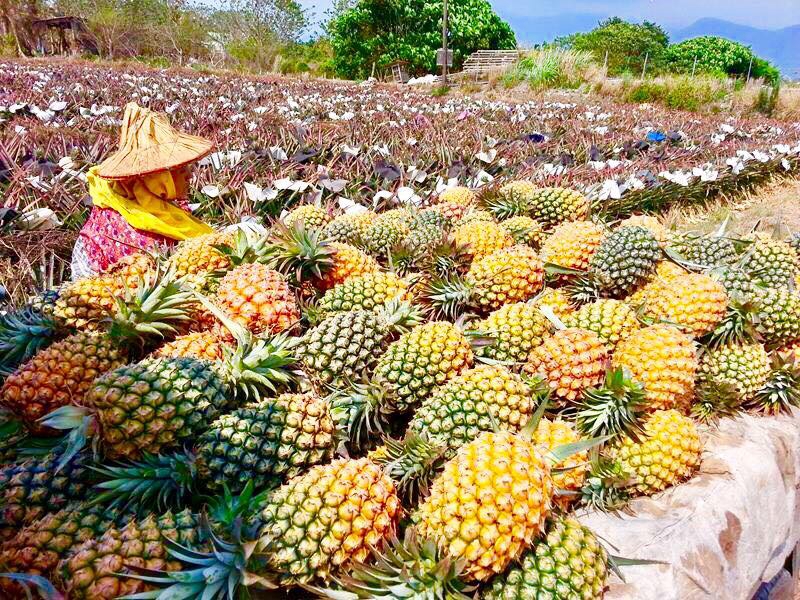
{"points": [[777, 203]]}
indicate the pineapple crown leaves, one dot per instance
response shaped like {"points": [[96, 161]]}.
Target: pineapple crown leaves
{"points": [[160, 482], [507, 204], [355, 410], [714, 400], [582, 290], [22, 334], [220, 573], [407, 569], [44, 588], [412, 463], [607, 485], [447, 298], [400, 316], [302, 254], [613, 409], [245, 249], [80, 422], [255, 363], [740, 323], [781, 391], [156, 305]]}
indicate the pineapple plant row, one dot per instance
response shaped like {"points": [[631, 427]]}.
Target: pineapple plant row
{"points": [[409, 402]]}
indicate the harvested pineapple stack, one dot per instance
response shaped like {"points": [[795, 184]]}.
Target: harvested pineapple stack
{"points": [[272, 408]]}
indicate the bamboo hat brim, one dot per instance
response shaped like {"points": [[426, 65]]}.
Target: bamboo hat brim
{"points": [[148, 143]]}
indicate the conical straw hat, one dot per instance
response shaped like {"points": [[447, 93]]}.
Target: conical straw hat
{"points": [[148, 143]]}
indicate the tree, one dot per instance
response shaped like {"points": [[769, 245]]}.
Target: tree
{"points": [[379, 32], [718, 56], [627, 45]]}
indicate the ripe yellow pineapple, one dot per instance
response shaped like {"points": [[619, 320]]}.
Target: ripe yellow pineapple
{"points": [[85, 303], [573, 244], [320, 523], [666, 271], [460, 195], [203, 345], [196, 258], [664, 361], [258, 298], [348, 261], [489, 504], [550, 435], [506, 276], [696, 303], [556, 299], [667, 453], [570, 361], [482, 238], [310, 216]]}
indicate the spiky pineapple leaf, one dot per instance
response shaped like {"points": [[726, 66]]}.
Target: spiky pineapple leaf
{"points": [[44, 588]]}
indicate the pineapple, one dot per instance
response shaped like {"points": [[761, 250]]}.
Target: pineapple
{"points": [[160, 403], [778, 316], [450, 211], [666, 272], [348, 228], [745, 367], [365, 292], [387, 230], [309, 216], [258, 298], [202, 345], [31, 489], [348, 261], [476, 216], [97, 569], [506, 276], [626, 258], [196, 259], [774, 263], [426, 357], [570, 361], [567, 562], [524, 230], [266, 442], [86, 303], [458, 195], [549, 206], [667, 453], [37, 548], [62, 373], [485, 398], [345, 346], [558, 300], [572, 245], [736, 282], [664, 361], [649, 222], [516, 331], [482, 238], [59, 375], [323, 522], [696, 303], [489, 504], [709, 251], [612, 320], [781, 390], [550, 435]]}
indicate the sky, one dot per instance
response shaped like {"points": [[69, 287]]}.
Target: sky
{"points": [[766, 14]]}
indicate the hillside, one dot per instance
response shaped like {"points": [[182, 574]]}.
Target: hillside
{"points": [[782, 46]]}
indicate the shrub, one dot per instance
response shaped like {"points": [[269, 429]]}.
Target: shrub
{"points": [[678, 92], [549, 68], [716, 55]]}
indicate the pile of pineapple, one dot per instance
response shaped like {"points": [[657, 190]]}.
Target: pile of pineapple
{"points": [[403, 403]]}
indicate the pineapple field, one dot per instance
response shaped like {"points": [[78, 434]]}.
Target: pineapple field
{"points": [[440, 348]]}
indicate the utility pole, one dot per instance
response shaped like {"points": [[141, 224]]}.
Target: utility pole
{"points": [[444, 42]]}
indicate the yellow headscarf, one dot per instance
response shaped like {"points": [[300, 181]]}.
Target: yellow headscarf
{"points": [[144, 204]]}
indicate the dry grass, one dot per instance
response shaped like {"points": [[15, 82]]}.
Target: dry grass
{"points": [[774, 204], [34, 260]]}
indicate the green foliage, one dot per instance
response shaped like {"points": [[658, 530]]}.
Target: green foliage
{"points": [[315, 58], [380, 32], [549, 68], [718, 56], [678, 92], [627, 45], [767, 100], [8, 45]]}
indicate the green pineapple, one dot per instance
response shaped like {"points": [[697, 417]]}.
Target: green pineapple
{"points": [[774, 263], [625, 259]]}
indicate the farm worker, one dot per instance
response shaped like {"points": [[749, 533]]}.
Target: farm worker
{"points": [[139, 193]]}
